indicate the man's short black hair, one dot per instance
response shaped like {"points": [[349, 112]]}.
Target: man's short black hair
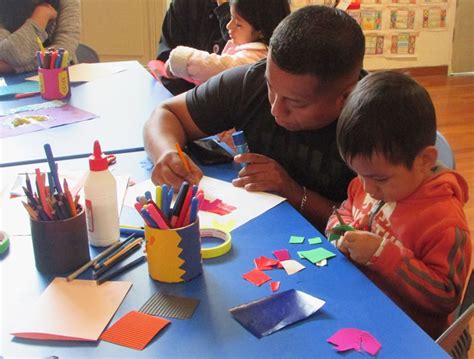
{"points": [[388, 113], [320, 41]]}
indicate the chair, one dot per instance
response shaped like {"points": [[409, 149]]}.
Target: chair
{"points": [[445, 153], [86, 54], [456, 340]]}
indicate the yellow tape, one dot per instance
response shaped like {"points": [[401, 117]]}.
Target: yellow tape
{"points": [[219, 250]]}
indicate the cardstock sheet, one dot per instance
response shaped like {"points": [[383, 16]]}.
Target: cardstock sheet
{"points": [[256, 277], [77, 310], [317, 254], [269, 314], [356, 339], [248, 205], [291, 266], [31, 121], [170, 306], [134, 330], [88, 72]]}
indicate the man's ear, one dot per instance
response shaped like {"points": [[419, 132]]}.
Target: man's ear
{"points": [[341, 100], [428, 157]]}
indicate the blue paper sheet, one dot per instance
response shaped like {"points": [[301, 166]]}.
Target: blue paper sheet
{"points": [[270, 314], [23, 87]]}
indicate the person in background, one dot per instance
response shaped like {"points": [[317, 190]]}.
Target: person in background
{"points": [[250, 28], [412, 238], [57, 23], [287, 106], [200, 24]]}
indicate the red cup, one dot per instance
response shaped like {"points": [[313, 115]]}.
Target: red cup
{"points": [[54, 83]]}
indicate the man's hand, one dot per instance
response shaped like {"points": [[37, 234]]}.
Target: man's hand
{"points": [[170, 170], [263, 174], [360, 246], [42, 14]]}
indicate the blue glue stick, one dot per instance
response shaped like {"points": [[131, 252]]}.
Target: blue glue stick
{"points": [[240, 143]]}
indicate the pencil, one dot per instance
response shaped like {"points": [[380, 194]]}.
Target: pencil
{"points": [[183, 158], [338, 215], [122, 257], [77, 272], [116, 272]]}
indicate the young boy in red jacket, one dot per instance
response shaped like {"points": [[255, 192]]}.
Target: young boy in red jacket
{"points": [[411, 236]]}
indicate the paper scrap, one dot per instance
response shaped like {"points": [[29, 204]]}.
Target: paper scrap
{"points": [[296, 240], [315, 240], [282, 254], [134, 330], [269, 314], [353, 338], [291, 266], [265, 263], [274, 286], [256, 277], [76, 310], [170, 306], [317, 254]]}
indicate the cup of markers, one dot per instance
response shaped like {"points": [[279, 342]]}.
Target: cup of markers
{"points": [[172, 236], [53, 73]]}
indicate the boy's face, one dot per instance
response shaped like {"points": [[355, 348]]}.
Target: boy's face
{"points": [[389, 182], [301, 102]]}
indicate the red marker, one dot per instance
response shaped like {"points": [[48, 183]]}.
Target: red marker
{"points": [[26, 94]]}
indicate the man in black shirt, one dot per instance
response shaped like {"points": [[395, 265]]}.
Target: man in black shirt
{"points": [[200, 24], [287, 106]]}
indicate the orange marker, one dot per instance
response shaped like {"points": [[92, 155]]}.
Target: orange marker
{"points": [[183, 157]]}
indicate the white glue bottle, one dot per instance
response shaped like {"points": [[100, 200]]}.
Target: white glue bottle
{"points": [[100, 190]]}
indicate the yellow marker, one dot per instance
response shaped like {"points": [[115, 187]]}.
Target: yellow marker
{"points": [[40, 45], [183, 157], [158, 192], [65, 60]]}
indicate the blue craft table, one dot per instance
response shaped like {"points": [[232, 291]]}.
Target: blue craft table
{"points": [[122, 101], [351, 299]]}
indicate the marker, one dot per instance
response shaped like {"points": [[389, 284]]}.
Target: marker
{"points": [[40, 44], [52, 166], [240, 144], [116, 272], [26, 94]]}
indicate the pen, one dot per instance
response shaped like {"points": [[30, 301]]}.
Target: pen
{"points": [[125, 242], [80, 270], [116, 272], [183, 158], [157, 216], [123, 254], [158, 196], [184, 208], [178, 204]]}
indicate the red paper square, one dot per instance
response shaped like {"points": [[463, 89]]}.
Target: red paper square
{"points": [[256, 277], [134, 330]]}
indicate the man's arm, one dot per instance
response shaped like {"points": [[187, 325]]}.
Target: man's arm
{"points": [[169, 124]]}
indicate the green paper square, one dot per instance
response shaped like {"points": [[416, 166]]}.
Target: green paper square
{"points": [[300, 254], [318, 254], [315, 240], [296, 240]]}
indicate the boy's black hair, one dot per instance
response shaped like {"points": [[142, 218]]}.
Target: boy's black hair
{"points": [[320, 41], [263, 15], [388, 113]]}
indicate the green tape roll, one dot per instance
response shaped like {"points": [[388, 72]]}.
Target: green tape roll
{"points": [[4, 241]]}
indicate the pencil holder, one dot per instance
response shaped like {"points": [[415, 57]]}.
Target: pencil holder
{"points": [[174, 255], [54, 83], [60, 246]]}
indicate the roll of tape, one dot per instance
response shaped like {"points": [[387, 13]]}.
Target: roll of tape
{"points": [[219, 250], [4, 241]]}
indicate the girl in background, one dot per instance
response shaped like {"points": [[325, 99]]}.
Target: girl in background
{"points": [[250, 28], [55, 22]]}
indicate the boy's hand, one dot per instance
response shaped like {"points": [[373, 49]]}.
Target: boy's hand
{"points": [[360, 246], [170, 170], [263, 174], [43, 13]]}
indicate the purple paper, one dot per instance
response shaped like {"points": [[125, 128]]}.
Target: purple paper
{"points": [[270, 314], [30, 121]]}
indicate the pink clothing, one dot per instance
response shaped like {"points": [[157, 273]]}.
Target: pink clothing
{"points": [[197, 66], [424, 259]]}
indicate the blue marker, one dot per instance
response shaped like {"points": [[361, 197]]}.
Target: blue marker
{"points": [[52, 167], [194, 210], [240, 144]]}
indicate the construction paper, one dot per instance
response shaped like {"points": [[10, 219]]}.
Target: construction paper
{"points": [[248, 205], [282, 254], [353, 338], [22, 87], [291, 266], [32, 107], [76, 310], [274, 286], [134, 330], [31, 121], [170, 306], [256, 277], [315, 240], [88, 72], [317, 254], [265, 263], [269, 314], [296, 240]]}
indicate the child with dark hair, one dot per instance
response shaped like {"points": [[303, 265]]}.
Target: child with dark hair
{"points": [[411, 237], [55, 22], [250, 28]]}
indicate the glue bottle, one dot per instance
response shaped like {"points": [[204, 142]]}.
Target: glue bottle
{"points": [[100, 190], [240, 143]]}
